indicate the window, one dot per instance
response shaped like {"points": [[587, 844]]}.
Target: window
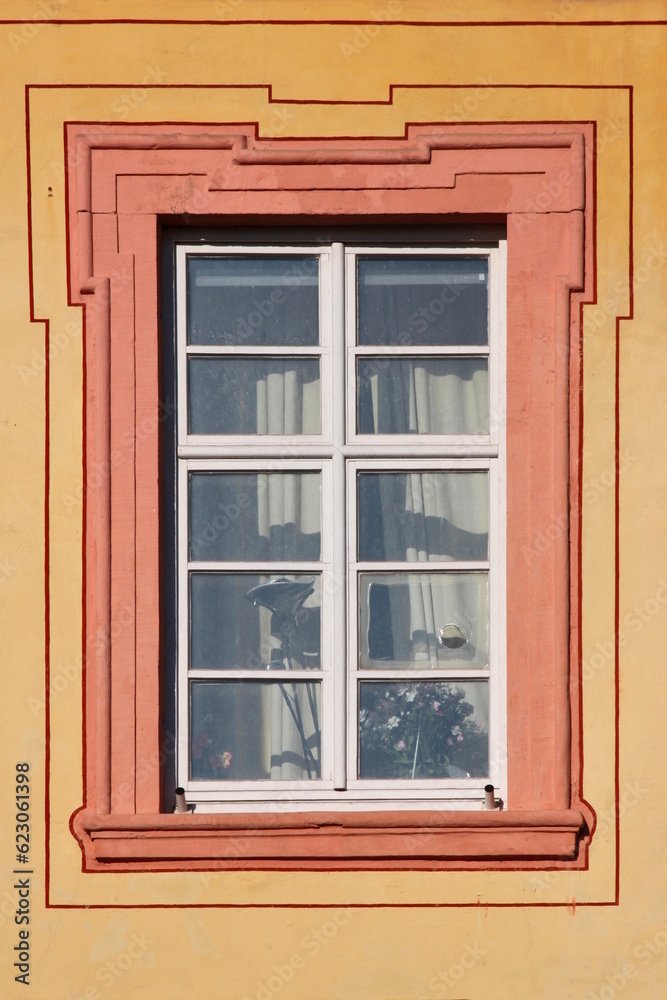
{"points": [[339, 427], [116, 213]]}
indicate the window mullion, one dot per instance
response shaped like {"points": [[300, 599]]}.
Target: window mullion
{"points": [[339, 609]]}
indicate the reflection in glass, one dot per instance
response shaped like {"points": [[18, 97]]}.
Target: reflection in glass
{"points": [[254, 730], [254, 395], [405, 620], [231, 632], [424, 730], [422, 395], [253, 300], [429, 301], [421, 516], [255, 517]]}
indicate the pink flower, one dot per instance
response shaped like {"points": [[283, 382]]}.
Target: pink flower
{"points": [[226, 759], [436, 706], [401, 745], [459, 738]]}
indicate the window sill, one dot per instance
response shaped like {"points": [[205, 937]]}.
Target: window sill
{"points": [[373, 840]]}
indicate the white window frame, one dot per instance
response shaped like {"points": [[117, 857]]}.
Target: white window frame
{"points": [[339, 452]]}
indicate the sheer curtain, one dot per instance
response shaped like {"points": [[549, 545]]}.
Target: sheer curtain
{"points": [[289, 507], [443, 517], [423, 396]]}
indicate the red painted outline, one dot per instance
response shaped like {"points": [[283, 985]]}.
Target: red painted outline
{"points": [[375, 22], [617, 472], [329, 869], [271, 99], [47, 519], [28, 87], [320, 906]]}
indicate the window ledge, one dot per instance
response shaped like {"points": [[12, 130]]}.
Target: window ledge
{"points": [[374, 840]]}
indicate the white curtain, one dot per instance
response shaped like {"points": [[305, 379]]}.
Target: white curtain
{"points": [[289, 505], [288, 402], [425, 395]]}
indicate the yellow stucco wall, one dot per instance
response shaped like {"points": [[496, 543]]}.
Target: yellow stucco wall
{"points": [[139, 935]]}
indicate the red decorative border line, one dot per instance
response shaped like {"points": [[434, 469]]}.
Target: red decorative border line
{"points": [[107, 829], [333, 22]]}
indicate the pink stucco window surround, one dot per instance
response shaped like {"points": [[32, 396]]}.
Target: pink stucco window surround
{"points": [[124, 181]]}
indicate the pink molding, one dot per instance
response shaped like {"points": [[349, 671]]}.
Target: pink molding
{"points": [[369, 841], [126, 179]]}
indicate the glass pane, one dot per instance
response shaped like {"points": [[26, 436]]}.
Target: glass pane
{"points": [[412, 300], [423, 620], [424, 730], [421, 516], [255, 517], [253, 300], [254, 395], [422, 395], [248, 621], [254, 731]]}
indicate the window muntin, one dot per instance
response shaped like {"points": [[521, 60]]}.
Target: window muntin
{"points": [[460, 546]]}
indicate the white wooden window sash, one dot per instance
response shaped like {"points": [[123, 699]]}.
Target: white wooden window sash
{"points": [[339, 453]]}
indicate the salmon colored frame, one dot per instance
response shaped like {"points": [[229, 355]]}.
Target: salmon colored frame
{"points": [[124, 182]]}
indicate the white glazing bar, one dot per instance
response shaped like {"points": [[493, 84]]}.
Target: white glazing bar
{"points": [[181, 344], [368, 446], [260, 351], [267, 675], [183, 638], [278, 568], [253, 466], [425, 566], [369, 463], [182, 539], [414, 350], [405, 674], [261, 450], [339, 625], [361, 799]]}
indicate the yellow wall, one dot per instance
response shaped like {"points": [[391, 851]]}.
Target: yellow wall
{"points": [[585, 947]]}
